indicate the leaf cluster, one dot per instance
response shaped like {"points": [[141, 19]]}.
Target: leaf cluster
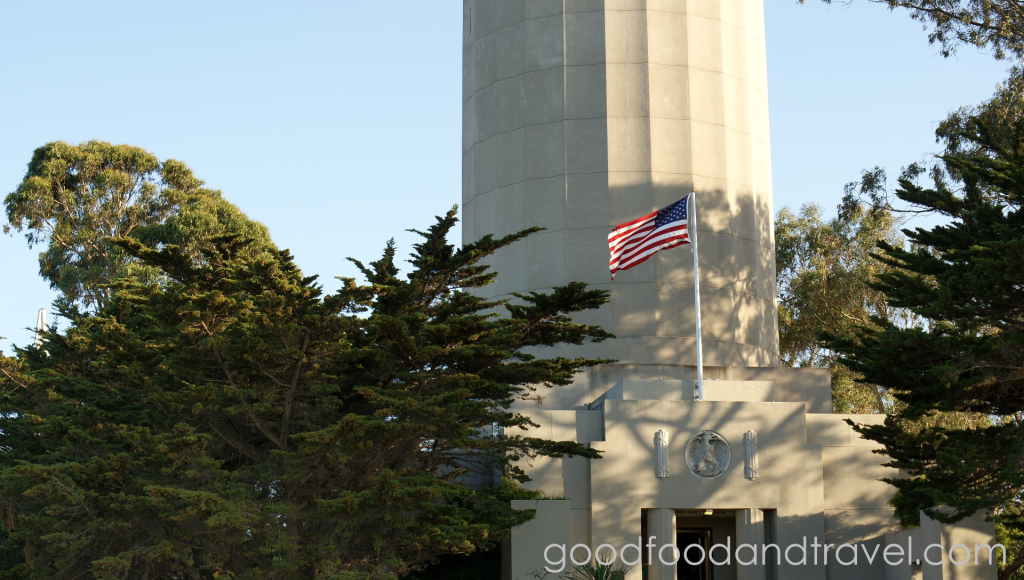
{"points": [[823, 270], [997, 25], [75, 198]]}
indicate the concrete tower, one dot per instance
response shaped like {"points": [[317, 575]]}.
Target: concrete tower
{"points": [[582, 114]]}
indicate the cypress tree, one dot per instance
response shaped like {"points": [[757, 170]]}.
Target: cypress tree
{"points": [[231, 420], [959, 377]]}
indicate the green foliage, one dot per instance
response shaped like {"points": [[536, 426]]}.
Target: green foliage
{"points": [[595, 572], [1013, 539], [485, 565], [74, 199], [198, 216], [959, 432], [823, 269], [231, 420], [997, 25], [478, 565]]}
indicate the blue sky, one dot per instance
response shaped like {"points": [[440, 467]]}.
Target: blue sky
{"points": [[338, 124]]}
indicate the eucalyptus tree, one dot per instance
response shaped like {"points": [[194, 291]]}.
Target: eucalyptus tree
{"points": [[996, 25], [75, 198], [824, 267]]}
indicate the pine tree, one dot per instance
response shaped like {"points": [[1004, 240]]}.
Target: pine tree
{"points": [[234, 421]]}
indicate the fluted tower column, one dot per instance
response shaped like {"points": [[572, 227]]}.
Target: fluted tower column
{"points": [[582, 114]]}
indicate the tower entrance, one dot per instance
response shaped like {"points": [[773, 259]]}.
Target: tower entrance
{"points": [[693, 537]]}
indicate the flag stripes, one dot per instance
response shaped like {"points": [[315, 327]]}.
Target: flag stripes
{"points": [[635, 241]]}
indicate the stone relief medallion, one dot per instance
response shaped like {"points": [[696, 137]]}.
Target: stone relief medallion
{"points": [[707, 454]]}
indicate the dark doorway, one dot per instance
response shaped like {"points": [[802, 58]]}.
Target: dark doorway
{"points": [[685, 571]]}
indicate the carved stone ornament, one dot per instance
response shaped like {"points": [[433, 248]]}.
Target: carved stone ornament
{"points": [[708, 454], [661, 454], [750, 441]]}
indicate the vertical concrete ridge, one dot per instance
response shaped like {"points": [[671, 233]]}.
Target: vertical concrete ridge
{"points": [[582, 114]]}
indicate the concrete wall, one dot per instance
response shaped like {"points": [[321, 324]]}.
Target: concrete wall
{"points": [[817, 479], [809, 386], [856, 502], [869, 563], [582, 114], [528, 541], [971, 532], [567, 478], [790, 480], [622, 483]]}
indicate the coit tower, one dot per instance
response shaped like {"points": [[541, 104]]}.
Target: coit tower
{"points": [[582, 114]]}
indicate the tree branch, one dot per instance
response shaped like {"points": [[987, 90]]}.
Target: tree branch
{"points": [[1013, 566], [248, 408], [286, 418]]}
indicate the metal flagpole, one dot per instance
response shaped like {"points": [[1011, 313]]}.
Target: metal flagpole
{"points": [[696, 293]]}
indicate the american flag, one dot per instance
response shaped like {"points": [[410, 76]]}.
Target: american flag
{"points": [[633, 242]]}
